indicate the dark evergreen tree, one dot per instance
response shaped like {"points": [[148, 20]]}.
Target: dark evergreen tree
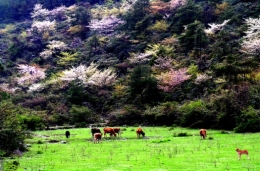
{"points": [[185, 15], [143, 87]]}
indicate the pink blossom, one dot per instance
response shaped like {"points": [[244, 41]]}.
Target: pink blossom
{"points": [[167, 81]]}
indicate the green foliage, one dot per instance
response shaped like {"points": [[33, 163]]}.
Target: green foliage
{"points": [[11, 135], [248, 121], [165, 113], [212, 103], [82, 114], [225, 109], [185, 15], [76, 93], [11, 165], [181, 134], [161, 141], [32, 121], [194, 37], [128, 115], [193, 70], [135, 19], [235, 67], [143, 87], [67, 59], [159, 26], [195, 114]]}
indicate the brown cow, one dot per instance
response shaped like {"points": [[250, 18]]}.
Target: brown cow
{"points": [[118, 131], [139, 132], [240, 152], [110, 131], [97, 137], [203, 133]]}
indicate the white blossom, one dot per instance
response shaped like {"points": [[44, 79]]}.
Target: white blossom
{"points": [[215, 27], [251, 41], [105, 25], [43, 26], [39, 12], [30, 74], [202, 78], [102, 78], [140, 58], [36, 87], [6, 88], [163, 64], [46, 54], [81, 72], [57, 45], [89, 75]]}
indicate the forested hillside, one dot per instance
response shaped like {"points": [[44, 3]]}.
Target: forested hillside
{"points": [[160, 62]]}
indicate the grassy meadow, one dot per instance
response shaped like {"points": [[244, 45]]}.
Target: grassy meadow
{"points": [[162, 150]]}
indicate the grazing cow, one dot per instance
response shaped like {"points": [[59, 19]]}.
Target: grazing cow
{"points": [[110, 131], [240, 152], [67, 134], [139, 132], [203, 133], [97, 137], [117, 131], [95, 130]]}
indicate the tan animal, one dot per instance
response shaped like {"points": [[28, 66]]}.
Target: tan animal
{"points": [[97, 137], [117, 131], [110, 131], [203, 133], [240, 152], [139, 132]]}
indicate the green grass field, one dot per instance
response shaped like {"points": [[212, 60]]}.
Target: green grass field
{"points": [[160, 151]]}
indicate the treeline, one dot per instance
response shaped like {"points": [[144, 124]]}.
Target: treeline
{"points": [[13, 10]]}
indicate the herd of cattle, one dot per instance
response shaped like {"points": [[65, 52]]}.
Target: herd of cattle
{"points": [[97, 135]]}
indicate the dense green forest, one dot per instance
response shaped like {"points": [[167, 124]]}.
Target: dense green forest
{"points": [[128, 62]]}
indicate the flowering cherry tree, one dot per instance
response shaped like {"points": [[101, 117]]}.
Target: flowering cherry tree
{"points": [[40, 13], [53, 47], [81, 72], [167, 81], [44, 26], [30, 74], [36, 87], [102, 78], [89, 75], [140, 58], [251, 41], [106, 25], [7, 88], [202, 78], [163, 64], [213, 28], [57, 45]]}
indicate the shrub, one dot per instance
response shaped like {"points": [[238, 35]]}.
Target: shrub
{"points": [[161, 141], [162, 114], [32, 121], [182, 134], [39, 152], [80, 114], [195, 114], [248, 121], [11, 165], [39, 142]]}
